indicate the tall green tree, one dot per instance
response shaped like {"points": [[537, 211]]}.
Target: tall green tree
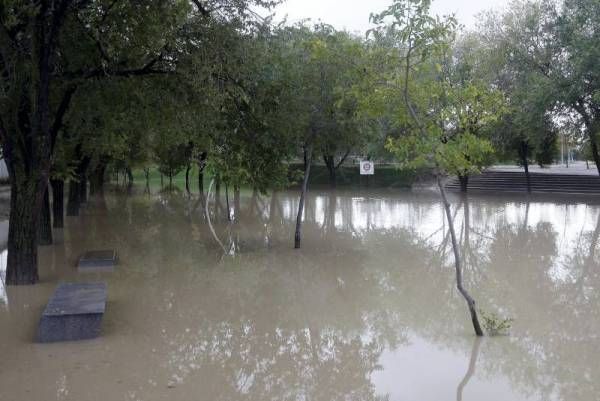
{"points": [[522, 46], [48, 48], [576, 75], [420, 42]]}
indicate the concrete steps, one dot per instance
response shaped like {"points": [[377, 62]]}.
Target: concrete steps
{"points": [[516, 182]]}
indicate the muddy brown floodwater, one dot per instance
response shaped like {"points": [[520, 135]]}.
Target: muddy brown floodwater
{"points": [[366, 310]]}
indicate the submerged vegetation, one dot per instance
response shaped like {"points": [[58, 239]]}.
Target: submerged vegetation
{"points": [[495, 325]]}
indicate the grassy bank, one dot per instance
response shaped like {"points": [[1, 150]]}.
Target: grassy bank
{"points": [[386, 176]]}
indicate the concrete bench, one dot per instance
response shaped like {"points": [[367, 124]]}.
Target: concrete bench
{"points": [[73, 313], [104, 260]]}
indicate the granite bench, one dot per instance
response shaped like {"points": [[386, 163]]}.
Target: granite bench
{"points": [[104, 260], [74, 312]]}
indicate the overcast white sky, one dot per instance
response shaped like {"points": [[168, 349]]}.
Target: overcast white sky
{"points": [[353, 15]]}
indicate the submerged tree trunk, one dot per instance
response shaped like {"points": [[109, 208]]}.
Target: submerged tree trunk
{"points": [[227, 202], [332, 168], [236, 202], [73, 201], [201, 167], [464, 182], [201, 182], [129, 176], [45, 223], [97, 178], [147, 176], [298, 233], [82, 189], [58, 206], [82, 175], [207, 214], [218, 187], [457, 261], [330, 164], [187, 178], [25, 206], [524, 153], [28, 140]]}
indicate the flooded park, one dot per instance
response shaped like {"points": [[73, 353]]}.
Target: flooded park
{"points": [[366, 310], [299, 200]]}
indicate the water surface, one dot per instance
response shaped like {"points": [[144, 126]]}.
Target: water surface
{"points": [[366, 310]]}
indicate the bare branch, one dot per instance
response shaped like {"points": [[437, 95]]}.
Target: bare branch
{"points": [[201, 8], [63, 107]]}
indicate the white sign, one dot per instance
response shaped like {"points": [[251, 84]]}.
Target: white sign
{"points": [[367, 168]]}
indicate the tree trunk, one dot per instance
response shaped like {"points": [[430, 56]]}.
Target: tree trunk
{"points": [[58, 206], [25, 206], [594, 146], [201, 182], [457, 261], [97, 179], [201, 167], [236, 202], [592, 125], [464, 182], [82, 189], [187, 178], [73, 201], [330, 163], [27, 145], [45, 224], [147, 176], [129, 176], [527, 176], [227, 202], [207, 214], [82, 175], [298, 233], [524, 153]]}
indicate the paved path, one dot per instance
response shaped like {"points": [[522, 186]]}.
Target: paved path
{"points": [[577, 168]]}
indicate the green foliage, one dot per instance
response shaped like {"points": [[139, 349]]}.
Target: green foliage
{"points": [[443, 113], [522, 43], [495, 325]]}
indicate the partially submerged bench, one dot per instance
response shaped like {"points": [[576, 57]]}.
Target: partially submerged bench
{"points": [[73, 313], [103, 260]]}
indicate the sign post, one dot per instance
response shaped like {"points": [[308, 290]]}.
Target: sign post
{"points": [[367, 168]]}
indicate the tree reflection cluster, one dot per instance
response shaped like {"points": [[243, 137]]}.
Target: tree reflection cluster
{"points": [[312, 324], [266, 322]]}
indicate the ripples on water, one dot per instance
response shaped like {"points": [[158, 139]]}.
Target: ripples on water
{"points": [[367, 310]]}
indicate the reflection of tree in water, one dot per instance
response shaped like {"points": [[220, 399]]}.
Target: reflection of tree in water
{"points": [[551, 349], [305, 325], [273, 323], [510, 265], [295, 331], [471, 370]]}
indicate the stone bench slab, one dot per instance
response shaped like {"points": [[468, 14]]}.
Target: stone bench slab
{"points": [[102, 260], [74, 312]]}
